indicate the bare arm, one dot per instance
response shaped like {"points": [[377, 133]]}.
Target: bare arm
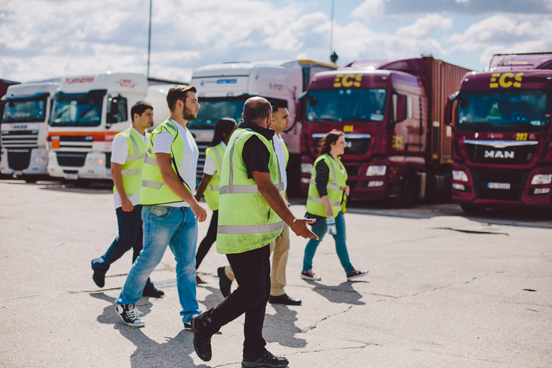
{"points": [[202, 186], [276, 202], [118, 181], [172, 180]]}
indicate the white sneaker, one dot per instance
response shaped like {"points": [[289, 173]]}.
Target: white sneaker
{"points": [[130, 315]]}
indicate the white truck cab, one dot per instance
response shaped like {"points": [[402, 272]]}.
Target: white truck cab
{"points": [[223, 88], [88, 111], [26, 108]]}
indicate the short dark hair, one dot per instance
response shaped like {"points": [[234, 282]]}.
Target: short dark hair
{"points": [[139, 108], [278, 104], [178, 93], [256, 108]]}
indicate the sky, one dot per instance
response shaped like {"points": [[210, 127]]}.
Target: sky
{"points": [[42, 39]]}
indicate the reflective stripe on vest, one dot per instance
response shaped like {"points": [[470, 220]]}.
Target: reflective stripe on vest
{"points": [[246, 221], [335, 187], [212, 190], [131, 170], [154, 190]]}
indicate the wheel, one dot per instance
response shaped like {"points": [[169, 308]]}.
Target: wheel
{"points": [[472, 209], [31, 180], [82, 183], [408, 191]]}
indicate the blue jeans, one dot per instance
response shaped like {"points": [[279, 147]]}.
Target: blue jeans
{"points": [[130, 237], [320, 228], [177, 228]]}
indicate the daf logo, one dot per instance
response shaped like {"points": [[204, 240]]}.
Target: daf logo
{"points": [[499, 154]]}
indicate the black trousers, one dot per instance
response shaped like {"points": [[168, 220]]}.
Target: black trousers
{"points": [[208, 241], [252, 271]]}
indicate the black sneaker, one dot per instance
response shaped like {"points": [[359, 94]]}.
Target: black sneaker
{"points": [[187, 326], [266, 361], [202, 340], [130, 315], [152, 291], [224, 282], [98, 277]]}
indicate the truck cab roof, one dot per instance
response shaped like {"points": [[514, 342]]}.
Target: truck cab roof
{"points": [[523, 61], [112, 82], [30, 89]]}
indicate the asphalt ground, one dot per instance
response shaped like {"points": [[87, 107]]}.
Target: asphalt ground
{"points": [[444, 290]]}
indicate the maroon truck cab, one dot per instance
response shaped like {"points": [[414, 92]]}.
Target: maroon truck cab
{"points": [[502, 134], [391, 112]]}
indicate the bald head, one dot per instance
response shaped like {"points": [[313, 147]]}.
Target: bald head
{"points": [[257, 109]]}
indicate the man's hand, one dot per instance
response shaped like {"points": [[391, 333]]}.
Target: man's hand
{"points": [[126, 204], [347, 190], [199, 212], [299, 227]]}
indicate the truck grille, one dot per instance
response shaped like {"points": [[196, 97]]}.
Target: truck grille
{"points": [[508, 155], [516, 178], [355, 144], [74, 159], [20, 138], [76, 141], [19, 159]]}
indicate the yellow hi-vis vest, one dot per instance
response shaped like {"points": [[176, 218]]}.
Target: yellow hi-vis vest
{"points": [[132, 168], [246, 221], [212, 190], [154, 189], [337, 181]]}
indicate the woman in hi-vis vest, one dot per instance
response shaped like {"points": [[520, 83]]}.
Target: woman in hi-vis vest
{"points": [[325, 202], [210, 183]]}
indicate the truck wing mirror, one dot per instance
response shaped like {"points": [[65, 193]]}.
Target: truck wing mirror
{"points": [[448, 108], [399, 107]]}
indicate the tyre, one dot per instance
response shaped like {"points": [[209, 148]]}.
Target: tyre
{"points": [[31, 180], [472, 209], [408, 191], [82, 183]]}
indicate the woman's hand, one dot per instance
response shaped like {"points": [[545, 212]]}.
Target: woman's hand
{"points": [[329, 211], [347, 190]]}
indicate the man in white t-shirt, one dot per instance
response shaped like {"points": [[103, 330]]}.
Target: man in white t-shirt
{"points": [[127, 206], [169, 208]]}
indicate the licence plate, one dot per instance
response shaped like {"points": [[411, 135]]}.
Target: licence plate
{"points": [[71, 176], [503, 186]]}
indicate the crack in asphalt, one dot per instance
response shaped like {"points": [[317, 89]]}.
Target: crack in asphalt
{"points": [[310, 328]]}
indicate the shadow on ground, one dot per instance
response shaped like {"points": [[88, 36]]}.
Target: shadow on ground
{"points": [[174, 352]]}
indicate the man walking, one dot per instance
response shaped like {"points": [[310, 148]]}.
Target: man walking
{"points": [[127, 159], [170, 210], [252, 213], [279, 247]]}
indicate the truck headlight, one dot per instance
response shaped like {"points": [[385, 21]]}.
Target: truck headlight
{"points": [[376, 170], [306, 168], [459, 175], [96, 161], [541, 179], [40, 159]]}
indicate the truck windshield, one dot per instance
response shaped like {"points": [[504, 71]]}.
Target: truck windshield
{"points": [[346, 105], [24, 111], [504, 110], [77, 109], [212, 110]]}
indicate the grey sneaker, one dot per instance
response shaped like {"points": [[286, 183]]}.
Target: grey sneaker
{"points": [[130, 315]]}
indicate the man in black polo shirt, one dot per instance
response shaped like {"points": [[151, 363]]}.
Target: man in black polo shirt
{"points": [[251, 267]]}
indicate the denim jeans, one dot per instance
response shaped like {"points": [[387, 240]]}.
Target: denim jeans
{"points": [[320, 228], [130, 237], [177, 228]]}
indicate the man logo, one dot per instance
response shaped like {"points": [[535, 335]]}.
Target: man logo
{"points": [[499, 154]]}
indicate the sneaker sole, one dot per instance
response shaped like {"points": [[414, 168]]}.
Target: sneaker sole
{"points": [[357, 276], [262, 365], [311, 278]]}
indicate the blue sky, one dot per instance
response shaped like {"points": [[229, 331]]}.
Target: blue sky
{"points": [[47, 38]]}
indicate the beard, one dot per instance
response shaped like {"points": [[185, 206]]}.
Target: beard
{"points": [[188, 114]]}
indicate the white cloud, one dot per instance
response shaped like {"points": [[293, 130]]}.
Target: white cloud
{"points": [[370, 10], [426, 26]]}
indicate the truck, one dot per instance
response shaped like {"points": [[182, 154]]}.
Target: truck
{"points": [[223, 89], [392, 113], [502, 153], [88, 111], [26, 108]]}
